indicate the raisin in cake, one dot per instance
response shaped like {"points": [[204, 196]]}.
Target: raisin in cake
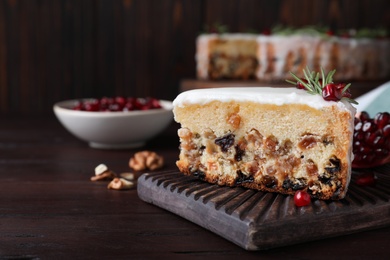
{"points": [[271, 139]]}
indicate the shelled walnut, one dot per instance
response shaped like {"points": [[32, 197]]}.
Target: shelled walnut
{"points": [[120, 184], [146, 160]]}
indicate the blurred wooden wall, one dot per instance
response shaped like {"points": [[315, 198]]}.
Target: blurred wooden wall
{"points": [[52, 50]]}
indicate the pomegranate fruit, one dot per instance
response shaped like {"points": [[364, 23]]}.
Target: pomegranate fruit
{"points": [[371, 140], [116, 104]]}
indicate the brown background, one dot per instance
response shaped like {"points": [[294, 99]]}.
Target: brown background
{"points": [[52, 50]]}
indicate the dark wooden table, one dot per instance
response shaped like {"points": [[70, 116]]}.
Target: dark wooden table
{"points": [[49, 208]]}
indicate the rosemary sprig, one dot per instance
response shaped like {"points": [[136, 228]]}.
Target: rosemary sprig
{"points": [[315, 82]]}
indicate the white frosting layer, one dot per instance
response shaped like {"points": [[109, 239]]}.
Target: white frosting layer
{"points": [[262, 95]]}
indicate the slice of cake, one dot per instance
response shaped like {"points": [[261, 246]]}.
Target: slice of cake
{"points": [[270, 139], [226, 56]]}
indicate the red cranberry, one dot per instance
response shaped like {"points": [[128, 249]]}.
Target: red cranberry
{"points": [[302, 198]]}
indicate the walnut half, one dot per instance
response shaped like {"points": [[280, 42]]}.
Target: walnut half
{"points": [[146, 160], [120, 184]]}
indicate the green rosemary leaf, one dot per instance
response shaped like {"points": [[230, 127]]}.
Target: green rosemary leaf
{"points": [[323, 77], [291, 82], [353, 101], [346, 87]]}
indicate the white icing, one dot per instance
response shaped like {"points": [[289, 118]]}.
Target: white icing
{"points": [[228, 36], [262, 95]]}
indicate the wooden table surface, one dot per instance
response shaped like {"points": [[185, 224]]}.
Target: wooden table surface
{"points": [[49, 208]]}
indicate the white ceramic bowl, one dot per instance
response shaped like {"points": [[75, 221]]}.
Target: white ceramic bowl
{"points": [[114, 130]]}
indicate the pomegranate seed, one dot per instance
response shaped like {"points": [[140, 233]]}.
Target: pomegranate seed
{"points": [[78, 106], [92, 105], [302, 198], [382, 152], [114, 107], [382, 119], [371, 144], [370, 138], [299, 85], [358, 136], [121, 101], [153, 103], [386, 130], [364, 149], [364, 116], [128, 106], [331, 93], [118, 103], [340, 87], [358, 126], [368, 126], [106, 101]]}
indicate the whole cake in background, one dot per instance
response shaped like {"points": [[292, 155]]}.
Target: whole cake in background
{"points": [[271, 139], [356, 55]]}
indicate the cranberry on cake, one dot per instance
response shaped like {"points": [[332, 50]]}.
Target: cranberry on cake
{"points": [[270, 139]]}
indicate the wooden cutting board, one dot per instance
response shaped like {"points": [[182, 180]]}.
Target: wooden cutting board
{"points": [[258, 220]]}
